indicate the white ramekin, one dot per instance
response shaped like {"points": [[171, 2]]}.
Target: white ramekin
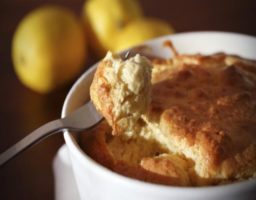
{"points": [[95, 182]]}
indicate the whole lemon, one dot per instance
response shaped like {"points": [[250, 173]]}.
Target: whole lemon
{"points": [[140, 30], [49, 48], [105, 18]]}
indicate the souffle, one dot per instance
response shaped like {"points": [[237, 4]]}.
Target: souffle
{"points": [[185, 121]]}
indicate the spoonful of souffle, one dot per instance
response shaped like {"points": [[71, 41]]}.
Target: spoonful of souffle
{"points": [[134, 74]]}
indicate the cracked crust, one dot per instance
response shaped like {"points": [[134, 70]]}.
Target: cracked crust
{"points": [[206, 108]]}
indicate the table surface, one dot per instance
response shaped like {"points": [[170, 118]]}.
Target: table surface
{"points": [[30, 176]]}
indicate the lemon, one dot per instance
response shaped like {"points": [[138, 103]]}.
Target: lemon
{"points": [[105, 18], [141, 30], [49, 48]]}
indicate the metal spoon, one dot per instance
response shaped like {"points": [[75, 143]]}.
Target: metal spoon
{"points": [[81, 119]]}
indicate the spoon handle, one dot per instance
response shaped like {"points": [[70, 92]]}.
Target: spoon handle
{"points": [[32, 138]]}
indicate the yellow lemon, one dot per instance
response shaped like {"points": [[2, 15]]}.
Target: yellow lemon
{"points": [[49, 48], [141, 30], [105, 18]]}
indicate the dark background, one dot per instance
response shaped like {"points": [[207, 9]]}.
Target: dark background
{"points": [[29, 176]]}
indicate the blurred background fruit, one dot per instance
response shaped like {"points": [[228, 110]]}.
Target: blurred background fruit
{"points": [[140, 30], [105, 18], [50, 44], [49, 48], [119, 24]]}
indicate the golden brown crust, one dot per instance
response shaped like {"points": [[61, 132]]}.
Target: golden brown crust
{"points": [[100, 93], [207, 110]]}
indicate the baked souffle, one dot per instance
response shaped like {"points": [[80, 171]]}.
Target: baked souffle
{"points": [[188, 121]]}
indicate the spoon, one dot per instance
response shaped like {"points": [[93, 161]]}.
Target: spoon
{"points": [[81, 119]]}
